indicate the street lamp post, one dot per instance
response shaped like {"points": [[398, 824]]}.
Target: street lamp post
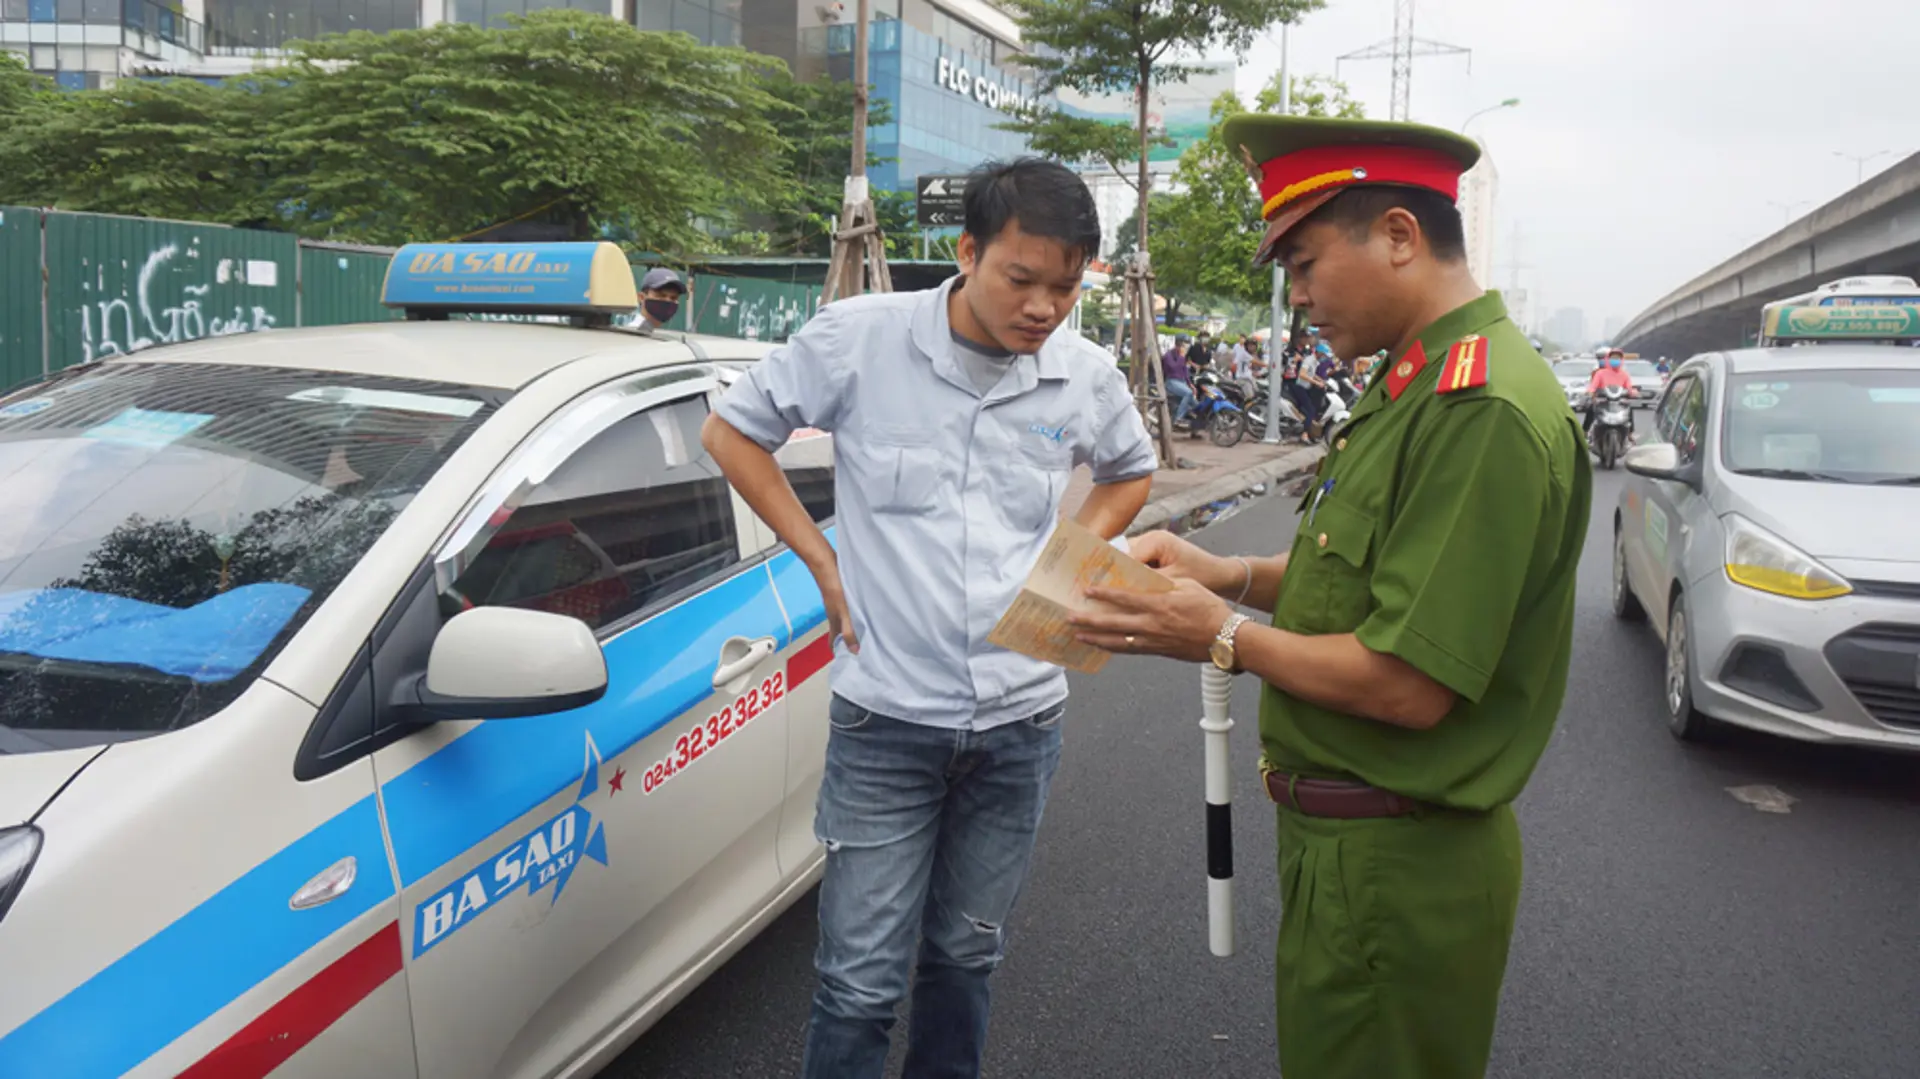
{"points": [[1507, 104], [1860, 163], [1277, 335], [1786, 210]]}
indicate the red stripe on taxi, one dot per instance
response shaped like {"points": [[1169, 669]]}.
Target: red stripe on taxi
{"points": [[300, 1016], [810, 660]]}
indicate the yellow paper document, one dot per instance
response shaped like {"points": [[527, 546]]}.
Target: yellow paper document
{"points": [[1074, 559]]}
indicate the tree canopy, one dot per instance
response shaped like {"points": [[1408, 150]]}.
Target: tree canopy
{"points": [[1129, 46], [576, 121], [1205, 234]]}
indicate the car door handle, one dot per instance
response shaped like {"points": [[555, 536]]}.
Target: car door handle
{"points": [[738, 657]]}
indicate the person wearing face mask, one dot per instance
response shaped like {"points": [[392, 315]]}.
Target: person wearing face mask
{"points": [[660, 293], [1609, 373]]}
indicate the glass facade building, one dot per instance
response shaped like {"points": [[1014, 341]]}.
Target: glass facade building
{"points": [[946, 102]]}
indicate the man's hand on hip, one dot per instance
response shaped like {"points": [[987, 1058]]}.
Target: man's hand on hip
{"points": [[834, 596]]}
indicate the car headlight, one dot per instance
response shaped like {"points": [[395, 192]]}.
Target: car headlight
{"points": [[19, 846], [1761, 560]]}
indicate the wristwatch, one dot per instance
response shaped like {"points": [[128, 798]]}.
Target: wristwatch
{"points": [[1221, 650]]}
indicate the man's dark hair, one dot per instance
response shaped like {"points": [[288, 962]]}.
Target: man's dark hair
{"points": [[1046, 197], [1357, 208]]}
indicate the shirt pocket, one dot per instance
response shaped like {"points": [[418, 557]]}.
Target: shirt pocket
{"points": [[1335, 594], [1031, 482], [901, 468]]}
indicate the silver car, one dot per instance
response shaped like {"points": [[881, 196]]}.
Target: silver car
{"points": [[1574, 376], [1766, 530], [1647, 381]]}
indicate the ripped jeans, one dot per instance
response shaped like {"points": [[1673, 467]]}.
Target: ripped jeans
{"points": [[928, 834]]}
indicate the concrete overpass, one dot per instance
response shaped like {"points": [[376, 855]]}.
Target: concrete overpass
{"points": [[1872, 229]]}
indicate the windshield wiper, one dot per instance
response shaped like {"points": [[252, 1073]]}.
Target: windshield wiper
{"points": [[1898, 481], [1792, 474]]}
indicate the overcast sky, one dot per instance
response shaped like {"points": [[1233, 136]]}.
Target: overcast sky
{"points": [[1654, 138]]}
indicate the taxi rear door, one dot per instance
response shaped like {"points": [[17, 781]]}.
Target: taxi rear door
{"points": [[559, 873]]}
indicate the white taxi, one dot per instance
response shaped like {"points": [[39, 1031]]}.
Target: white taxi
{"points": [[404, 699]]}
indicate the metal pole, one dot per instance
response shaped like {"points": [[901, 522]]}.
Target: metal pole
{"points": [[859, 163], [1216, 693], [1276, 342]]}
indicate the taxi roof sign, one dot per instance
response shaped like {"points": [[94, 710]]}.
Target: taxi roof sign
{"points": [[591, 281], [1854, 322]]}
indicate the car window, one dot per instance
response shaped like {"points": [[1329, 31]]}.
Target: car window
{"points": [[1641, 369], [169, 527], [1856, 426], [808, 460], [1689, 419], [638, 515], [1666, 424]]}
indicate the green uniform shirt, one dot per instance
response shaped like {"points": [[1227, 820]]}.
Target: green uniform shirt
{"points": [[1445, 529]]}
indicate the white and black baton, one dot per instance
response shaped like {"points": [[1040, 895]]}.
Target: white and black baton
{"points": [[1216, 694]]}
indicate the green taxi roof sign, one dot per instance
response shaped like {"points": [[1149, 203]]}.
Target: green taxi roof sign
{"points": [[1878, 322]]}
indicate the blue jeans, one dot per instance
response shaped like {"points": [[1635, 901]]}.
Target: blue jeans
{"points": [[928, 835], [1180, 396]]}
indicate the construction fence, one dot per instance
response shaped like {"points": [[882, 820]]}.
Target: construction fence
{"points": [[79, 287]]}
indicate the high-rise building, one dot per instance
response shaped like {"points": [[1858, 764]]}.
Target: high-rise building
{"points": [[1568, 328], [1614, 325], [943, 65], [1520, 308], [1479, 187]]}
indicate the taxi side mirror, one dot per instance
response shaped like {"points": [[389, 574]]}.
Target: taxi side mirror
{"points": [[505, 663], [1661, 461]]}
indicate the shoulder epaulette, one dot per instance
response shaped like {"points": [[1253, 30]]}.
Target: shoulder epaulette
{"points": [[1466, 365]]}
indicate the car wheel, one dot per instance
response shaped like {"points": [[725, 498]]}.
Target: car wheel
{"points": [[1684, 721], [1626, 605]]}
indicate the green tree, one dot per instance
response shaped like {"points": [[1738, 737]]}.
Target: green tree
{"points": [[816, 124], [580, 118], [17, 87], [176, 148], [1107, 46], [1205, 236]]}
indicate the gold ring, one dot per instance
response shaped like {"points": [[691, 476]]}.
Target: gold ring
{"points": [[1129, 640]]}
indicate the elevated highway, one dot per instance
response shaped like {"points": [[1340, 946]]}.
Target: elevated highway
{"points": [[1872, 229]]}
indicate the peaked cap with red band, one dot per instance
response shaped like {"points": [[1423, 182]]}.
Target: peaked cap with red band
{"points": [[1300, 162]]}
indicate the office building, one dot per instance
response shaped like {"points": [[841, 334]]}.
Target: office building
{"points": [[1568, 328], [1479, 188]]}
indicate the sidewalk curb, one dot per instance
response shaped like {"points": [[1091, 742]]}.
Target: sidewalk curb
{"points": [[1162, 512]]}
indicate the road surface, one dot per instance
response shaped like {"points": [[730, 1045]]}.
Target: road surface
{"points": [[1665, 930]]}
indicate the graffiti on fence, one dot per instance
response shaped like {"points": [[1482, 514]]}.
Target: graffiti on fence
{"points": [[166, 305], [766, 312]]}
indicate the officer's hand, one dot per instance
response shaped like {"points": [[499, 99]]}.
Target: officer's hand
{"points": [[1183, 561], [1180, 624]]}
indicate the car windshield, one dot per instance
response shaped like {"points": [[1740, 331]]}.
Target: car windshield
{"points": [[1835, 426], [170, 527], [1641, 369], [1574, 368]]}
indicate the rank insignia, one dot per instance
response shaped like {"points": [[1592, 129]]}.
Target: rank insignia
{"points": [[1466, 365], [1410, 364]]}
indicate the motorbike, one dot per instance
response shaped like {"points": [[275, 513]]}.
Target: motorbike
{"points": [[1612, 427], [1341, 395], [1215, 413]]}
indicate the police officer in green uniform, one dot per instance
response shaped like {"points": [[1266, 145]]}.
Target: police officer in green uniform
{"points": [[1422, 622]]}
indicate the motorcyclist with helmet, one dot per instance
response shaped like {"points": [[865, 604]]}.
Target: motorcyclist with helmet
{"points": [[1609, 373]]}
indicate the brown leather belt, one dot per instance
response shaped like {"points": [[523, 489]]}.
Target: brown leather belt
{"points": [[1341, 799]]}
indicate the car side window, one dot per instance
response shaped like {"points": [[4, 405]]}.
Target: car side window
{"points": [[1690, 420], [638, 514], [807, 459], [1666, 418]]}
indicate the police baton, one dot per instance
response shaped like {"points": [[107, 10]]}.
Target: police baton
{"points": [[1216, 694]]}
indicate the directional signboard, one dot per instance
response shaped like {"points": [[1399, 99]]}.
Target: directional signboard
{"points": [[936, 200]]}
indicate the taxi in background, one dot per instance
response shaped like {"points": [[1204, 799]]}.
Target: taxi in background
{"points": [[404, 699], [1767, 526]]}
